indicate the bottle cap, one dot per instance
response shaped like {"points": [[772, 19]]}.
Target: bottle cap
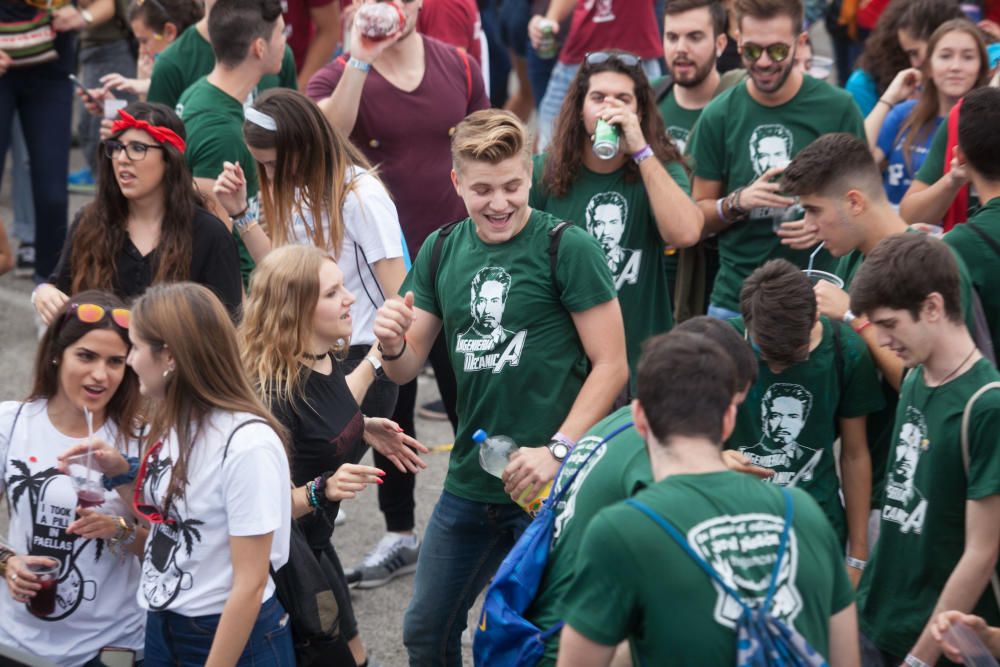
{"points": [[479, 436]]}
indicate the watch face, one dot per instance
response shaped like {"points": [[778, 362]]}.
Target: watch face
{"points": [[559, 450]]}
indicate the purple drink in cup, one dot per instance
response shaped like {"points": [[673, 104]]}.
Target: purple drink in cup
{"points": [[44, 601]]}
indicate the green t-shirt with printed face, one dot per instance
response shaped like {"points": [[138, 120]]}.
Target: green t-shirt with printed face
{"points": [[612, 473], [932, 169], [982, 260], [190, 57], [922, 534], [881, 424], [633, 581], [735, 141], [214, 123], [519, 363], [789, 420], [618, 214]]}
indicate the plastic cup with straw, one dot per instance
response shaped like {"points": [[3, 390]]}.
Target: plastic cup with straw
{"points": [[815, 275], [86, 478]]}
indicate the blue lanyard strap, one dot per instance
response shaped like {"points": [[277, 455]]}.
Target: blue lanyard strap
{"points": [[561, 491]]}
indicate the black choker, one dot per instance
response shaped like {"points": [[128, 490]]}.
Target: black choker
{"points": [[316, 357]]}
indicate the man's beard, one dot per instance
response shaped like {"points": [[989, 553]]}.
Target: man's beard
{"points": [[699, 75], [789, 64]]}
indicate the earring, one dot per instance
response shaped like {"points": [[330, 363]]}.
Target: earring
{"points": [[55, 362], [166, 373]]}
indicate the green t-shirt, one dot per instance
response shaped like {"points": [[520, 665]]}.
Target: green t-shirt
{"points": [[612, 474], [618, 214], [982, 260], [190, 57], [735, 141], [932, 169], [922, 533], [214, 123], [881, 424], [789, 420], [633, 581], [519, 363]]}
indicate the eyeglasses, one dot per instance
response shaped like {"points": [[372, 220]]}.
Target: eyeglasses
{"points": [[135, 150], [91, 313], [150, 513], [777, 52], [601, 57]]}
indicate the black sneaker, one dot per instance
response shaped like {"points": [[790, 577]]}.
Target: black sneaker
{"points": [[25, 267], [394, 555]]}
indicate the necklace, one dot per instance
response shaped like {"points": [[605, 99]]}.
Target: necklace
{"points": [[316, 357], [925, 442]]}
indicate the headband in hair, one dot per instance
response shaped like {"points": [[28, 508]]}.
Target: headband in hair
{"points": [[162, 134], [260, 119]]}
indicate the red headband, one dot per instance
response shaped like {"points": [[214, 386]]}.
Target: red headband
{"points": [[161, 134]]}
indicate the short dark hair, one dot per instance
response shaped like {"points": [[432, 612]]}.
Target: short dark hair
{"points": [[769, 9], [900, 273], [830, 166], [725, 335], [684, 384], [716, 11], [978, 120], [779, 310], [233, 25]]}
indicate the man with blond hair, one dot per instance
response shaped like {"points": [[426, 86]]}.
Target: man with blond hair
{"points": [[552, 378]]}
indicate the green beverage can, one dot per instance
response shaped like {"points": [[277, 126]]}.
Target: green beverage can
{"points": [[547, 48], [605, 140]]}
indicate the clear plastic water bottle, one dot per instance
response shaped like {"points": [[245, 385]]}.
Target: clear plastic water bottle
{"points": [[379, 20], [494, 451], [494, 455]]}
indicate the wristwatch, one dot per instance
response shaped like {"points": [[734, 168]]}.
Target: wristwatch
{"points": [[560, 450], [87, 17], [376, 365], [849, 317]]}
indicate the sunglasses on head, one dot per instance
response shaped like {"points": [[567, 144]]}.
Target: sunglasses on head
{"points": [[601, 57], [777, 52], [91, 313], [150, 513]]}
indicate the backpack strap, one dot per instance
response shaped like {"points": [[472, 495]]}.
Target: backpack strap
{"points": [[555, 235], [966, 418], [561, 491], [468, 75], [682, 542], [838, 353], [663, 88], [225, 452], [436, 251], [6, 453], [994, 246]]}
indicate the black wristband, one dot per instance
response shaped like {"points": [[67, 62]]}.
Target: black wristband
{"points": [[392, 357], [241, 213]]}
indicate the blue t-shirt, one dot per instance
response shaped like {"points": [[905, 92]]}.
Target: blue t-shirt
{"points": [[898, 172], [862, 88]]}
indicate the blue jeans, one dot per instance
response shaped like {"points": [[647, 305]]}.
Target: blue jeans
{"points": [[555, 92], [20, 166], [42, 97], [463, 546], [173, 640], [95, 62], [720, 313]]}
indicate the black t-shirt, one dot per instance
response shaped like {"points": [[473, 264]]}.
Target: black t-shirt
{"points": [[327, 430], [215, 263]]}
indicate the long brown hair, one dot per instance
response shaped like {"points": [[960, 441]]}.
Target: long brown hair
{"points": [[102, 231], [278, 320], [920, 123], [65, 330], [191, 321], [565, 158], [310, 170]]}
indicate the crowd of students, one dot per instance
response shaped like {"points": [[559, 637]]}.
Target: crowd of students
{"points": [[750, 354]]}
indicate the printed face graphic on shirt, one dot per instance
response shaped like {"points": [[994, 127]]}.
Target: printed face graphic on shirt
{"points": [[486, 344], [784, 411], [605, 10], [904, 503], [51, 501], [742, 548], [162, 579], [770, 146], [606, 216]]}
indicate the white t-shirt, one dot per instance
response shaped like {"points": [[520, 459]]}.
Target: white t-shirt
{"points": [[187, 567], [95, 594], [371, 233]]}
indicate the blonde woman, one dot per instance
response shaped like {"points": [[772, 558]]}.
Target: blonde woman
{"points": [[297, 317]]}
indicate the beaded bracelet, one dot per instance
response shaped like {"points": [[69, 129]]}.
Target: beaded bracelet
{"points": [[311, 494]]}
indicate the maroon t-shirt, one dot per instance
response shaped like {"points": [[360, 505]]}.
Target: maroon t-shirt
{"points": [[612, 24], [299, 22], [408, 135], [454, 22]]}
